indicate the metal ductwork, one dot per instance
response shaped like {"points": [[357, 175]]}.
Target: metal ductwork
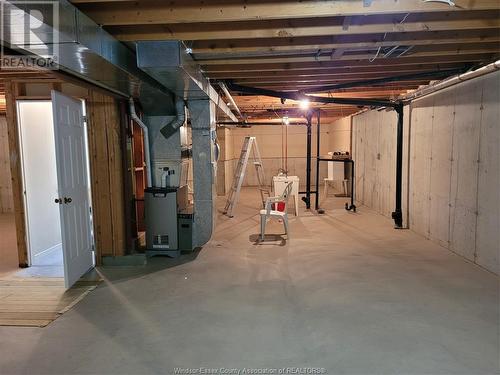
{"points": [[85, 50], [172, 127], [169, 63]]}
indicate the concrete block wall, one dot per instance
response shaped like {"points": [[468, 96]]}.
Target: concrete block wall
{"points": [[452, 167]]}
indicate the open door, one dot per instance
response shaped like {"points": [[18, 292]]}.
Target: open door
{"points": [[73, 184]]}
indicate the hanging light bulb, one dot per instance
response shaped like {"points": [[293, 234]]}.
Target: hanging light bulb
{"points": [[304, 104]]}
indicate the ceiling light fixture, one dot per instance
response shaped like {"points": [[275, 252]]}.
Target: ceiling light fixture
{"points": [[304, 104], [286, 120], [449, 2]]}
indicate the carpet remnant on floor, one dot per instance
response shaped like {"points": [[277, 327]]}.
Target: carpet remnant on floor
{"points": [[36, 302]]}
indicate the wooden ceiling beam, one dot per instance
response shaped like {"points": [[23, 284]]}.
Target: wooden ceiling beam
{"points": [[294, 28], [360, 90], [188, 11], [286, 45], [346, 71], [354, 64], [318, 81], [427, 52]]}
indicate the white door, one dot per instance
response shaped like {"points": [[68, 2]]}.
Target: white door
{"points": [[73, 183]]}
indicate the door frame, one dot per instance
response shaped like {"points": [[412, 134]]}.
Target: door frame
{"points": [[29, 255], [23, 177], [107, 121]]}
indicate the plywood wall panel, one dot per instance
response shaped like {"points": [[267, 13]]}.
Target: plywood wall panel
{"points": [[6, 199], [107, 175]]}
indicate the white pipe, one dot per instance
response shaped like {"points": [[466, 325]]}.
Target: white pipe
{"points": [[231, 99], [454, 80], [144, 128]]}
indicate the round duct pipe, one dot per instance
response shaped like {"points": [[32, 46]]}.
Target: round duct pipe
{"points": [[180, 108]]}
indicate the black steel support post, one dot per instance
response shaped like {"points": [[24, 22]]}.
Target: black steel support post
{"points": [[307, 198], [352, 206], [318, 136], [397, 215]]}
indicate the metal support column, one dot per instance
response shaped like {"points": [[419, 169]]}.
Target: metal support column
{"points": [[307, 198], [397, 215], [318, 135]]}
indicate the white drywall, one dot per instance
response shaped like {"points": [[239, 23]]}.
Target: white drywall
{"points": [[6, 201], [452, 189]]}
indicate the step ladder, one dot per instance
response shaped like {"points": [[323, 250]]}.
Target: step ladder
{"points": [[249, 146]]}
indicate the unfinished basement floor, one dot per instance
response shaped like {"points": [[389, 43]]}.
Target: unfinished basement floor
{"points": [[346, 293]]}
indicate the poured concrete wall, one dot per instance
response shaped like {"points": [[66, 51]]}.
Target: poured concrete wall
{"points": [[339, 138], [453, 193], [374, 154], [335, 136]]}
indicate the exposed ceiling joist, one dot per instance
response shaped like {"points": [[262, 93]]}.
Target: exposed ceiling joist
{"points": [[332, 64], [108, 12], [427, 52], [302, 28], [300, 44], [309, 44], [340, 72]]}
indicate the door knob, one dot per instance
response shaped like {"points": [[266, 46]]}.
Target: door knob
{"points": [[58, 200], [67, 200]]}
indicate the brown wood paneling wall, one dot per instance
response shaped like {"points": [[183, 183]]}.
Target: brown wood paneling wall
{"points": [[6, 202], [105, 154], [106, 170], [11, 92]]}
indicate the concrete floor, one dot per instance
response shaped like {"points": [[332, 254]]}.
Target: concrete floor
{"points": [[346, 293]]}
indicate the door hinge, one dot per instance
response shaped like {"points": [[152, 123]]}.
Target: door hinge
{"points": [[84, 118]]}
